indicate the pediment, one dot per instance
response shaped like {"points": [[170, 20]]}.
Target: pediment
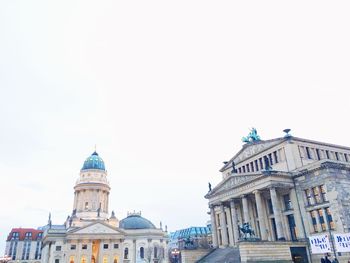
{"points": [[97, 228], [251, 149], [233, 181]]}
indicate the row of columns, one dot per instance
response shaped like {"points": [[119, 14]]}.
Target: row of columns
{"points": [[232, 235]]}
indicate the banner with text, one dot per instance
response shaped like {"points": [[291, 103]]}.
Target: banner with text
{"points": [[320, 244], [342, 242]]}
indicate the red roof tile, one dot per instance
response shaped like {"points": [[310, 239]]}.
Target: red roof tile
{"points": [[22, 233]]}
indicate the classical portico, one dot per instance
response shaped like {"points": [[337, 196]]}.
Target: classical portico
{"points": [[249, 202]]}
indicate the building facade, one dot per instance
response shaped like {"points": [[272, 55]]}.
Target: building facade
{"points": [[287, 189], [92, 235], [24, 245]]}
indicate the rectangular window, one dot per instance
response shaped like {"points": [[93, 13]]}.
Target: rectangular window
{"points": [[323, 193], [337, 156], [261, 163], [218, 220], [346, 157], [308, 155], [58, 248], [269, 204], [327, 154], [321, 216], [116, 246], [105, 246], [73, 247], [252, 166], [292, 227], [313, 219], [243, 169], [316, 194], [57, 260], [270, 158], [37, 250], [318, 154], [239, 170], [308, 197], [256, 165], [248, 170], [84, 246], [287, 202], [275, 156], [330, 219]]}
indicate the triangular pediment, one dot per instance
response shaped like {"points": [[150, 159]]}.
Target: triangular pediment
{"points": [[97, 228], [251, 149], [233, 181]]}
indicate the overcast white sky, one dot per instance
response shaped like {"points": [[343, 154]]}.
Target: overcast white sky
{"points": [[166, 89]]}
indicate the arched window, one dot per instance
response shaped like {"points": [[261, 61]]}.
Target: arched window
{"points": [[126, 253], [142, 252], [71, 259], [83, 259], [115, 259], [105, 259], [155, 252]]}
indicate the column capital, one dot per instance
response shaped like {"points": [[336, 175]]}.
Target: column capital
{"points": [[214, 205], [257, 191], [222, 206]]}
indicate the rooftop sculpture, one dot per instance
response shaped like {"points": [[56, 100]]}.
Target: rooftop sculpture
{"points": [[252, 136]]}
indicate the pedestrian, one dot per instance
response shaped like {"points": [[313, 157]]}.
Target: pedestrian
{"points": [[326, 260], [322, 260]]}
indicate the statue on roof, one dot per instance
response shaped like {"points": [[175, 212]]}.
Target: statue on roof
{"points": [[252, 136], [49, 221], [234, 170], [209, 185]]}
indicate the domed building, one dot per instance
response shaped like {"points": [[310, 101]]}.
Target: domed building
{"points": [[92, 235]]}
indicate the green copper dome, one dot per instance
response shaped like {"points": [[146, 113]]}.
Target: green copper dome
{"points": [[94, 162], [136, 221]]}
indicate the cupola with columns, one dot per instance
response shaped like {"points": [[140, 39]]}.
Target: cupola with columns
{"points": [[91, 191]]}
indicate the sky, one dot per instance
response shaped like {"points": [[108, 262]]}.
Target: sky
{"points": [[165, 90]]}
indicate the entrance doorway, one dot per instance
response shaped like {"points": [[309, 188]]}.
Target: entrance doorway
{"points": [[299, 254]]}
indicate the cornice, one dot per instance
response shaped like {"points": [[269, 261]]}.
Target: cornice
{"points": [[323, 166]]}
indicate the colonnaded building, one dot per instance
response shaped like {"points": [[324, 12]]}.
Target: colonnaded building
{"points": [[284, 190], [90, 234]]}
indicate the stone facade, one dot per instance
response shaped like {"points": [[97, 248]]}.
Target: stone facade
{"points": [[287, 189]]}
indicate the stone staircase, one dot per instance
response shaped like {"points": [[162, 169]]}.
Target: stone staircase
{"points": [[222, 255]]}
